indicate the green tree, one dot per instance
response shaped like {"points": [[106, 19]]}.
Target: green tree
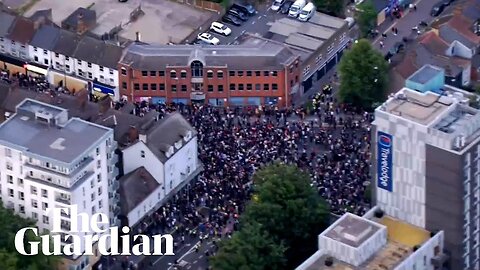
{"points": [[252, 248], [9, 257], [363, 75], [332, 7], [366, 17], [289, 208]]}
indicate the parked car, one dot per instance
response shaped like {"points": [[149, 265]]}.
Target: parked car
{"points": [[307, 12], [208, 38], [228, 18], [238, 14], [397, 47], [277, 4], [246, 9], [286, 7], [296, 8], [220, 28], [438, 8]]}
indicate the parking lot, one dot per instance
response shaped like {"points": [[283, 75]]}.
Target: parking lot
{"points": [[257, 24], [163, 21]]}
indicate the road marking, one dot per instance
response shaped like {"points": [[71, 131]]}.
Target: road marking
{"points": [[188, 267], [194, 262], [268, 9], [159, 259], [243, 32], [186, 253], [253, 22], [201, 256]]}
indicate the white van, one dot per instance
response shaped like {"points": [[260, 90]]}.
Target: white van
{"points": [[307, 12], [296, 8], [350, 21]]}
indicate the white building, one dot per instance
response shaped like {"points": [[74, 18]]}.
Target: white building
{"points": [[427, 162], [40, 48], [165, 156], [375, 242], [49, 160]]}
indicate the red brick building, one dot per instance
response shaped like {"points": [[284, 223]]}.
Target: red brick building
{"points": [[263, 72]]}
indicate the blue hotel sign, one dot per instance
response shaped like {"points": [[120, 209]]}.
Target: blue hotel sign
{"points": [[384, 161]]}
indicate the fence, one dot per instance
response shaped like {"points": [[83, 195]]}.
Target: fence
{"points": [[202, 4]]}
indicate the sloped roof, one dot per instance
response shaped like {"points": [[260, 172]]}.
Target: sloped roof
{"points": [[459, 28], [6, 21], [22, 30], [46, 37], [134, 188]]}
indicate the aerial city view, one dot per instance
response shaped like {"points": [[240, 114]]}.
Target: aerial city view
{"points": [[240, 134]]}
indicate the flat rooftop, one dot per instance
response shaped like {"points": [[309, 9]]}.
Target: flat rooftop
{"points": [[352, 230], [404, 233], [422, 108], [425, 74], [61, 143]]}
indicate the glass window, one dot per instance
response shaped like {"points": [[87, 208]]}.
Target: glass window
{"points": [[266, 73], [231, 73], [136, 86], [174, 88], [249, 86], [153, 86], [274, 86], [209, 74], [173, 74], [274, 73], [249, 73], [258, 73], [145, 86], [144, 73], [220, 88], [153, 73], [161, 87], [220, 74], [210, 88], [184, 88], [240, 87], [232, 86], [266, 87], [258, 86], [197, 69], [161, 73], [183, 74], [240, 73], [124, 71]]}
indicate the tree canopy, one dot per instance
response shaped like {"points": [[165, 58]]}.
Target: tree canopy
{"points": [[286, 212], [10, 259], [363, 75], [332, 7], [366, 17]]}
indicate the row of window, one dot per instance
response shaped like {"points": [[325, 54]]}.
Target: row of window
{"points": [[210, 73], [210, 88], [80, 62]]}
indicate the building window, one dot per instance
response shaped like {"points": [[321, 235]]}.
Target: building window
{"points": [[142, 154], [144, 73], [161, 87], [220, 88], [258, 73], [209, 74], [21, 196], [44, 193], [173, 74], [10, 193], [210, 88], [20, 182], [153, 73], [90, 75], [9, 166], [258, 87], [35, 58], [249, 73], [174, 88], [161, 73], [45, 219], [231, 73], [318, 59], [274, 86], [145, 86], [79, 62], [249, 86], [124, 71], [45, 52], [232, 87], [153, 86], [10, 179], [274, 73], [184, 88], [34, 204], [35, 49], [240, 87], [100, 68], [44, 206], [45, 61], [124, 85], [136, 86], [240, 73], [89, 64], [266, 73], [8, 152], [220, 74], [197, 69], [80, 72], [33, 190], [57, 55], [266, 87], [183, 74]]}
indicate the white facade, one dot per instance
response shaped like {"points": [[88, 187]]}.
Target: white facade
{"points": [[421, 258], [169, 174], [40, 56], [31, 183]]}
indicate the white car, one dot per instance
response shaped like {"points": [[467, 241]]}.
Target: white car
{"points": [[277, 4], [220, 28], [208, 38]]}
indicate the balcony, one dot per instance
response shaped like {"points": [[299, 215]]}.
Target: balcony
{"points": [[197, 80], [115, 185], [112, 147], [116, 210], [63, 200], [48, 171]]}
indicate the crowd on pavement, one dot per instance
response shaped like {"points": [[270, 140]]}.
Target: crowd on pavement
{"points": [[330, 142]]}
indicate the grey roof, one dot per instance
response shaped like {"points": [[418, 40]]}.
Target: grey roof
{"points": [[40, 14], [135, 187], [67, 43], [476, 61], [6, 20], [262, 55], [471, 11], [450, 34], [94, 50], [327, 20], [46, 37], [167, 132], [88, 15], [425, 57], [62, 143], [379, 5]]}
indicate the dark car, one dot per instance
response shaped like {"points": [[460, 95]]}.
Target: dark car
{"points": [[398, 47], [238, 14], [438, 8], [286, 7], [245, 8], [228, 18]]}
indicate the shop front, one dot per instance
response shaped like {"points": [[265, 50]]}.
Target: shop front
{"points": [[36, 70], [71, 83], [183, 101], [236, 101], [12, 64], [197, 97], [159, 100], [217, 101], [101, 90], [255, 101], [272, 101]]}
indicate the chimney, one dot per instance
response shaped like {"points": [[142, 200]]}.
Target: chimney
{"points": [[132, 134], [137, 36]]}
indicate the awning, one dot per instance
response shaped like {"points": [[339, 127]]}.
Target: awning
{"points": [[36, 69], [103, 88], [197, 96], [12, 60]]}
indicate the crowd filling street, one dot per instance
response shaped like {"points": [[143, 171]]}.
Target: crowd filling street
{"points": [[330, 142]]}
